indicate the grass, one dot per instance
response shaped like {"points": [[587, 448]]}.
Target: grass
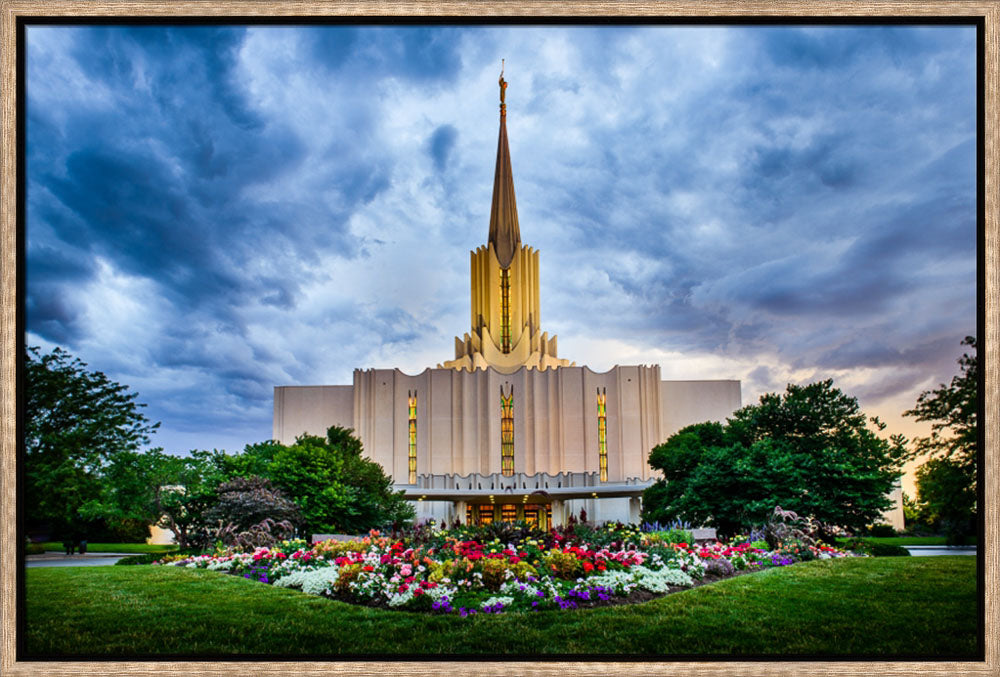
{"points": [[912, 607], [54, 546]]}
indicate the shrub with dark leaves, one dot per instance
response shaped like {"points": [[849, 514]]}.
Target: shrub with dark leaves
{"points": [[720, 568]]}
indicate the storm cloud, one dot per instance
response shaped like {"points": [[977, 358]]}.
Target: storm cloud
{"points": [[213, 211]]}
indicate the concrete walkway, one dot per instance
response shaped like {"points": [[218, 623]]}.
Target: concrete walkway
{"points": [[933, 550], [59, 559]]}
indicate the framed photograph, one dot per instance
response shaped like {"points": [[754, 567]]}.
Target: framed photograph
{"points": [[604, 304]]}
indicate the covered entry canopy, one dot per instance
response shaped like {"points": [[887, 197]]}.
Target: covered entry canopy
{"points": [[519, 487]]}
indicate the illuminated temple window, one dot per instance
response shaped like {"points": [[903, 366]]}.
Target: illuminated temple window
{"points": [[412, 402], [507, 432], [487, 513], [508, 512], [505, 310], [602, 432]]}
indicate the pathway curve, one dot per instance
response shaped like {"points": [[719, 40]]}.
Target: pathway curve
{"points": [[58, 559]]}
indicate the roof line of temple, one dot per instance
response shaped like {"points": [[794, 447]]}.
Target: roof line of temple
{"points": [[505, 234]]}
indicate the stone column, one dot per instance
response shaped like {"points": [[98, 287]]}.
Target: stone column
{"points": [[558, 513], [634, 507]]}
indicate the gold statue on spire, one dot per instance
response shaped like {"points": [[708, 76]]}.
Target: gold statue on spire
{"points": [[503, 87]]}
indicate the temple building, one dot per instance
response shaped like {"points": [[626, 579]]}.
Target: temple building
{"points": [[509, 430]]}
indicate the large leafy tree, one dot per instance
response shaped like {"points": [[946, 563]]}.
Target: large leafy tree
{"points": [[946, 483], [810, 450], [76, 422], [335, 487], [172, 492]]}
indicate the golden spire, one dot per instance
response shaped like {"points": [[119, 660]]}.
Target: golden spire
{"points": [[505, 234]]}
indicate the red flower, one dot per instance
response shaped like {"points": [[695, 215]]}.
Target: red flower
{"points": [[587, 566], [404, 587], [368, 567], [418, 592]]}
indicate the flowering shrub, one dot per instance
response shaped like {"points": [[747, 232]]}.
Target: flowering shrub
{"points": [[447, 572]]}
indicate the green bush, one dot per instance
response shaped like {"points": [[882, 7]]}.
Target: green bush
{"points": [[881, 530], [149, 558], [139, 559], [33, 548], [886, 550]]}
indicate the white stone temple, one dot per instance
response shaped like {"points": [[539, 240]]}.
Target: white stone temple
{"points": [[508, 430]]}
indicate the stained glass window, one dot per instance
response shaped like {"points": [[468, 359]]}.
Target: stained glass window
{"points": [[505, 310], [531, 513], [602, 432], [486, 514], [468, 515], [507, 432], [412, 402]]}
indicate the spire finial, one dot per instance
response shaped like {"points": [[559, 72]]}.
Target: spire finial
{"points": [[505, 234], [503, 90]]}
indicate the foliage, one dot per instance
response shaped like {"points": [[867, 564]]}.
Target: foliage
{"points": [[953, 412], [947, 499], [332, 485], [244, 502], [76, 422], [183, 489], [946, 483], [881, 530], [785, 526], [263, 534], [810, 449]]}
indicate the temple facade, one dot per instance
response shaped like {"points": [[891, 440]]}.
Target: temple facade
{"points": [[508, 430]]}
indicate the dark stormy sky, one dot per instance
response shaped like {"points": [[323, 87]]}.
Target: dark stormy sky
{"points": [[213, 211]]}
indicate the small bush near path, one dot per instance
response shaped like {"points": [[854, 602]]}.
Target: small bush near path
{"points": [[879, 608]]}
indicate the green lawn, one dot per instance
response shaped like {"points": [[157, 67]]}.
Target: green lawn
{"points": [[881, 607], [53, 546]]}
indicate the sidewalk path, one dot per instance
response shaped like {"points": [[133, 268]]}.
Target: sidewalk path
{"points": [[932, 550], [59, 559]]}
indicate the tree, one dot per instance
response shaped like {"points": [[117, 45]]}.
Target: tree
{"points": [[75, 423], [810, 450], [946, 483], [335, 487], [946, 498]]}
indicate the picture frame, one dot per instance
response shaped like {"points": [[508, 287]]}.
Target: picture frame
{"points": [[14, 11]]}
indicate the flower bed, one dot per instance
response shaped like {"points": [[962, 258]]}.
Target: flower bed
{"points": [[451, 572]]}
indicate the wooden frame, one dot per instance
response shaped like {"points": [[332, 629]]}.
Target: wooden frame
{"points": [[13, 9]]}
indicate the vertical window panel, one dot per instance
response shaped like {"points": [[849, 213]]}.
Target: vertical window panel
{"points": [[412, 460], [507, 432], [602, 432]]}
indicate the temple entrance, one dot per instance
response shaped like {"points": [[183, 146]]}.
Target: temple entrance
{"points": [[535, 514]]}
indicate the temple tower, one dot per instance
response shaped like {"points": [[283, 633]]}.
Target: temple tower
{"points": [[504, 275]]}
